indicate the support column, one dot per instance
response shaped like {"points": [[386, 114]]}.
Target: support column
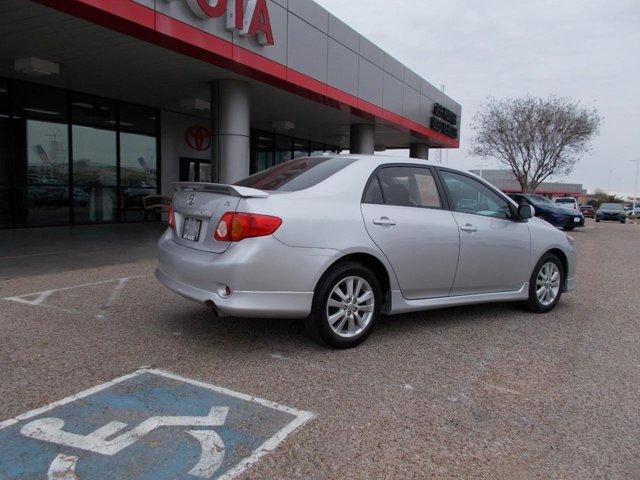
{"points": [[419, 150], [230, 124], [362, 139]]}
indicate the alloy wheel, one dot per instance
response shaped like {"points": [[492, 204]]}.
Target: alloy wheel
{"points": [[350, 306], [548, 283]]}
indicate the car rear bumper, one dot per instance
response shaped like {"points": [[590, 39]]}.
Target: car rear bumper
{"points": [[266, 277], [244, 304]]}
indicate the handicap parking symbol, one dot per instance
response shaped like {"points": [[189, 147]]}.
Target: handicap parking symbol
{"points": [[150, 424]]}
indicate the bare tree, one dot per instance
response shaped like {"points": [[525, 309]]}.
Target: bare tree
{"points": [[535, 137]]}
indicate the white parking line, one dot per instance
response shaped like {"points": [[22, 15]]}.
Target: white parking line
{"points": [[42, 296], [112, 298]]}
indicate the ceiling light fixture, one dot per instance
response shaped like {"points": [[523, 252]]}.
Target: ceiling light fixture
{"points": [[195, 104], [37, 67]]}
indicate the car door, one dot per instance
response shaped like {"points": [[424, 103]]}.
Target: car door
{"points": [[405, 214], [495, 247]]}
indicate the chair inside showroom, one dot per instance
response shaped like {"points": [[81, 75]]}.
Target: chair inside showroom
{"points": [[155, 206]]}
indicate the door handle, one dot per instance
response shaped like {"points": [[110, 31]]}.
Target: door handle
{"points": [[468, 228], [384, 221]]}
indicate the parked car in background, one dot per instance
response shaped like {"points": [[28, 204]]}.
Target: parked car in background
{"points": [[568, 202], [635, 212], [339, 240], [611, 212], [588, 211], [552, 212]]}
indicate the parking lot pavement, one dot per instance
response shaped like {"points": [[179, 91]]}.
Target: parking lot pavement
{"points": [[476, 392]]}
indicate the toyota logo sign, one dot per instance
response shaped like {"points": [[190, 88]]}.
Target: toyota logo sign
{"points": [[198, 137]]}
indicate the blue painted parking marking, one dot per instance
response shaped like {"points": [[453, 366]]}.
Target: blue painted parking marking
{"points": [[150, 424]]}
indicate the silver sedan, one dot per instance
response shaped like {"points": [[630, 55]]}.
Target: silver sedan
{"points": [[339, 240]]}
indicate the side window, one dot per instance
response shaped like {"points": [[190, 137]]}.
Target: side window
{"points": [[470, 196], [373, 194], [409, 187]]}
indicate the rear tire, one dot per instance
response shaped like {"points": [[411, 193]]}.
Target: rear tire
{"points": [[545, 285], [342, 317]]}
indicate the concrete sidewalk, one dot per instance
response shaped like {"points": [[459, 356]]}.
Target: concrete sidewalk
{"points": [[38, 251]]}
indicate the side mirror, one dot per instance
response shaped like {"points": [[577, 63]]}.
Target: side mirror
{"points": [[526, 212]]}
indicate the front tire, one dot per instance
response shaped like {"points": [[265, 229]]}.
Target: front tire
{"points": [[346, 306], [545, 285]]}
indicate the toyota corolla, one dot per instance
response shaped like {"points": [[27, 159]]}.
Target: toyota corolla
{"points": [[340, 240]]}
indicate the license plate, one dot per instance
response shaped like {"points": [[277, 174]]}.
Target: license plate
{"points": [[192, 229], [576, 220]]}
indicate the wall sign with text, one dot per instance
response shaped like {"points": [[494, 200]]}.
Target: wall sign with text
{"points": [[444, 121], [247, 20]]}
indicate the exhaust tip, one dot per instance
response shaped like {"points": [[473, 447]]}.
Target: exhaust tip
{"points": [[210, 304]]}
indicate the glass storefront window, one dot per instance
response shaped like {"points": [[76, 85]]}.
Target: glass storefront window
{"points": [[47, 153], [138, 119], [283, 149], [300, 148], [316, 149], [94, 156], [49, 177], [94, 204], [37, 101], [94, 111], [263, 146], [39, 205], [132, 203], [138, 164]]}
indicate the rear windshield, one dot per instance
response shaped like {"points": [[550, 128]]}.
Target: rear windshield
{"points": [[565, 200], [295, 175]]}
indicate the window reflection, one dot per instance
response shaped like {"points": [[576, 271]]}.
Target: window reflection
{"points": [[94, 204], [137, 160], [43, 205], [133, 203], [300, 148], [47, 153], [94, 156]]}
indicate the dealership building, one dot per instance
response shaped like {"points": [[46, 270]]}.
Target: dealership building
{"points": [[106, 102]]}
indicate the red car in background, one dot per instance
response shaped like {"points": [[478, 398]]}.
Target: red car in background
{"points": [[588, 211]]}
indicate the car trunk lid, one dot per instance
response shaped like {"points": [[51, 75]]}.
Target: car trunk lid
{"points": [[198, 208]]}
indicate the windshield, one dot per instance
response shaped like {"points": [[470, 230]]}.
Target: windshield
{"points": [[538, 200], [611, 206], [295, 175], [565, 200]]}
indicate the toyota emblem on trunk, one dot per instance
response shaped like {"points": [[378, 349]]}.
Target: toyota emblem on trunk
{"points": [[192, 199]]}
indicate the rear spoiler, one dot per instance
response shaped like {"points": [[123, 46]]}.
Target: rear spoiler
{"points": [[234, 190]]}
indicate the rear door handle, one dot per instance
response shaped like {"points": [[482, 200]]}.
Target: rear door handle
{"points": [[384, 221], [468, 228]]}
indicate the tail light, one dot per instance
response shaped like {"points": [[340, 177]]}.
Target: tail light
{"points": [[234, 226], [172, 217]]}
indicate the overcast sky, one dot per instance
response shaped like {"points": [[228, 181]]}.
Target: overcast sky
{"points": [[588, 50]]}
